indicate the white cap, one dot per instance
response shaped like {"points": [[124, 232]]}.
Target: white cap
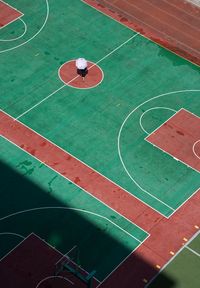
{"points": [[81, 63]]}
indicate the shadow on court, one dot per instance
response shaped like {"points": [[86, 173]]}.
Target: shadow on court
{"points": [[62, 228]]}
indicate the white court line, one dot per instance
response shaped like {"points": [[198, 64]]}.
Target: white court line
{"points": [[186, 11], [11, 233], [11, 6], [157, 128], [122, 262], [119, 146], [84, 211], [13, 39], [142, 34], [55, 249], [24, 113], [123, 165], [195, 2], [180, 250], [73, 182], [195, 50], [93, 64], [193, 149], [170, 14], [44, 99], [13, 19], [78, 210], [25, 238], [153, 108], [42, 27], [171, 155], [153, 98], [18, 18], [66, 254], [191, 250], [54, 277]]}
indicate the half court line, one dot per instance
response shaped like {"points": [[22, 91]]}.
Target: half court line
{"points": [[47, 97]]}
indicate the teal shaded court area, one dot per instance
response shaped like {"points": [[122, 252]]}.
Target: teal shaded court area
{"points": [[104, 127], [36, 199]]}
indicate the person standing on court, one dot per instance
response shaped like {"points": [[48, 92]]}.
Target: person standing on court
{"points": [[81, 65]]}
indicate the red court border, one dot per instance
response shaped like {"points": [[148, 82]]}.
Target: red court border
{"points": [[166, 235], [147, 33], [8, 14]]}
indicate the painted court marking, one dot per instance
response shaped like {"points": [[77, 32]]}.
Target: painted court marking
{"points": [[9, 10], [150, 109], [41, 28], [54, 277], [181, 91], [64, 176], [83, 211], [119, 144], [193, 149], [13, 234], [79, 210], [96, 63], [162, 227], [14, 247], [167, 137], [68, 71], [171, 260], [54, 248], [64, 256], [193, 251], [13, 39]]}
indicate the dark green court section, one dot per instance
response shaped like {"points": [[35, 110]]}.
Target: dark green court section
{"points": [[183, 271], [195, 245], [105, 127], [36, 199]]}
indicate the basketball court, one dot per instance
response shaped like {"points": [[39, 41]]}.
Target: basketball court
{"points": [[97, 172]]}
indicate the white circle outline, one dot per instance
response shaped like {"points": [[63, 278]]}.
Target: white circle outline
{"points": [[13, 39], [93, 64], [73, 209], [11, 233], [52, 277], [153, 108]]}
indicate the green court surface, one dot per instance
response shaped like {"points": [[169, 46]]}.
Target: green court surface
{"points": [[183, 271], [105, 126], [36, 199]]}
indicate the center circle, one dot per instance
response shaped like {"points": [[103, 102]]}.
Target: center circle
{"points": [[69, 76]]}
